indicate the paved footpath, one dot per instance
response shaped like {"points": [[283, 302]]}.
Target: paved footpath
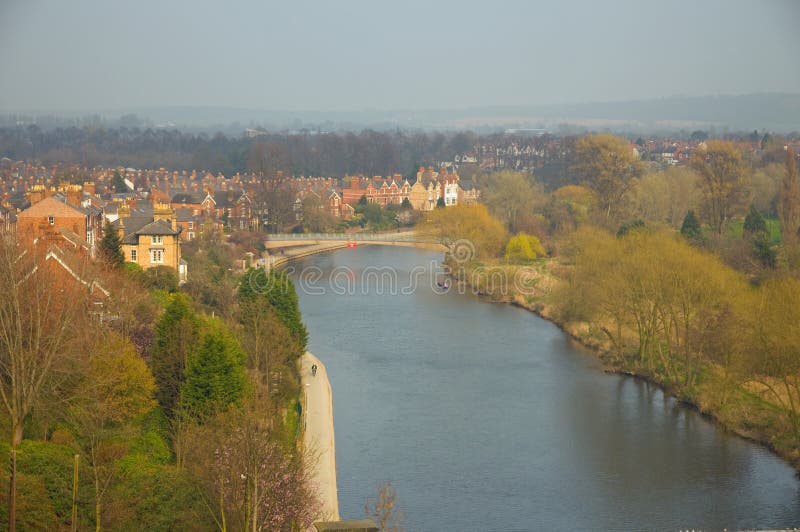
{"points": [[318, 435]]}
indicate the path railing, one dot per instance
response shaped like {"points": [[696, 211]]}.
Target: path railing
{"points": [[405, 236]]}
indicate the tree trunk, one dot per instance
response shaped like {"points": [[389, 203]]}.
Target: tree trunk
{"points": [[96, 503], [12, 493], [222, 511], [255, 502], [16, 433], [74, 526]]}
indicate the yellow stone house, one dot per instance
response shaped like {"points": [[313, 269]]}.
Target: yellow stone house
{"points": [[151, 241]]}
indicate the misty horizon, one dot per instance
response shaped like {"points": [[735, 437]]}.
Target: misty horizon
{"points": [[364, 57]]}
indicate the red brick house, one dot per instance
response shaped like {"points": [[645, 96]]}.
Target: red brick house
{"points": [[56, 221], [390, 191]]}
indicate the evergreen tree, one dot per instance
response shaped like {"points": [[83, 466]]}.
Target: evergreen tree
{"points": [[756, 231], [629, 227], [215, 378], [406, 205], [699, 135], [440, 203], [764, 251], [119, 183], [691, 226], [278, 291], [111, 247], [754, 224], [362, 200], [176, 338]]}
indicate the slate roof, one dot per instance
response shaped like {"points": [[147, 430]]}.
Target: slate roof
{"points": [[222, 202], [135, 226], [131, 225], [184, 214], [91, 210], [184, 197], [19, 201], [158, 227]]}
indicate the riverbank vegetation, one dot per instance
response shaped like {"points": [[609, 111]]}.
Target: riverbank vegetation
{"points": [[149, 408], [687, 276]]}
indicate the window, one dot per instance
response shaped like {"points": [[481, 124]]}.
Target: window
{"points": [[158, 239], [133, 255], [191, 225], [157, 256], [51, 220]]}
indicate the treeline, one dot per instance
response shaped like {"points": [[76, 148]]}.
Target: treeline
{"points": [[328, 154], [741, 205], [162, 411], [678, 315]]}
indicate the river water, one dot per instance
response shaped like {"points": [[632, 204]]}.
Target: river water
{"points": [[486, 417]]}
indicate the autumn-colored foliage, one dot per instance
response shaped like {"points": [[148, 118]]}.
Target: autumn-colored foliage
{"points": [[522, 247], [469, 223]]}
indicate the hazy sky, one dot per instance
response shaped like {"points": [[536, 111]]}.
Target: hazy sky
{"points": [[407, 54]]}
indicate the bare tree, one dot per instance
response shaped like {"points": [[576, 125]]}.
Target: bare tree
{"points": [[41, 304], [384, 511], [723, 176], [248, 480], [609, 167]]}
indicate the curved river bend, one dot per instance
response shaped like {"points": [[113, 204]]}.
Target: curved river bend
{"points": [[486, 417]]}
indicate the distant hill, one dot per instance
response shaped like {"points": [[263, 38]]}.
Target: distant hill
{"points": [[778, 112], [775, 112]]}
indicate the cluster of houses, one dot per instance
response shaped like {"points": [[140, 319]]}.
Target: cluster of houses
{"points": [[71, 218], [428, 189], [170, 207]]}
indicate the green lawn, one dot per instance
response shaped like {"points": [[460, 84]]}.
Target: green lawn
{"points": [[773, 225]]}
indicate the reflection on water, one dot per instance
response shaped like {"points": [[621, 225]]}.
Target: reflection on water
{"points": [[486, 417]]}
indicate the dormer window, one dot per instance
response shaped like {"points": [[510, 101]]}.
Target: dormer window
{"points": [[51, 220], [158, 239]]}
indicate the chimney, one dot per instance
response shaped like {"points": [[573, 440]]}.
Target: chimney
{"points": [[37, 194], [354, 183], [89, 188], [162, 211], [74, 195]]}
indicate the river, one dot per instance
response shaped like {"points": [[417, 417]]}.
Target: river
{"points": [[487, 417]]}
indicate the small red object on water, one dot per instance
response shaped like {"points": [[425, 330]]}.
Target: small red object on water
{"points": [[352, 244]]}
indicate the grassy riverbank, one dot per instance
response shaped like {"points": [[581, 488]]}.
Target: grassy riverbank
{"points": [[739, 401]]}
